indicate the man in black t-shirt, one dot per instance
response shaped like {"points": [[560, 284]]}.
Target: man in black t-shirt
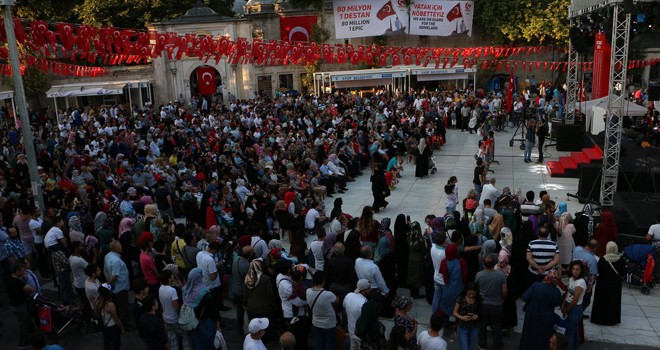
{"points": [[163, 198], [18, 291], [479, 177], [541, 133]]}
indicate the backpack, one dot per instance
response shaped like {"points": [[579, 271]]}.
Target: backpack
{"points": [[187, 319]]}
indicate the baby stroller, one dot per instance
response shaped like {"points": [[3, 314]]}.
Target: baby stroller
{"points": [[53, 319], [640, 265]]}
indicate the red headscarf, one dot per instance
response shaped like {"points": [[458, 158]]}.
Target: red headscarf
{"points": [[451, 254], [606, 231], [288, 198]]}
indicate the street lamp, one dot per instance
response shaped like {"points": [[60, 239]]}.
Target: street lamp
{"points": [[19, 93]]}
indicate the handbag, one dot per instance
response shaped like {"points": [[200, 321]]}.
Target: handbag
{"points": [[560, 324], [219, 340]]}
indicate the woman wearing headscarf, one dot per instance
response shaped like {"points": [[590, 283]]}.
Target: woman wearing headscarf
{"points": [[417, 251], [129, 252], [487, 248], [423, 154], [385, 258], [607, 231], [541, 300], [585, 226], [403, 305], [495, 226], [454, 272], [289, 204], [198, 297], [565, 242], [401, 229], [259, 297], [75, 229], [606, 308], [509, 309], [379, 188], [562, 208], [518, 259]]}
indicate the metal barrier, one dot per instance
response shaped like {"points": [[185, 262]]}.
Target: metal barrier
{"points": [[626, 240]]}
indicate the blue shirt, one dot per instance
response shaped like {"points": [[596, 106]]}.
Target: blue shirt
{"points": [[114, 266], [579, 253], [4, 237]]}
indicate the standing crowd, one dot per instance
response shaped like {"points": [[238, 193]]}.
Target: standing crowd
{"points": [[187, 207]]}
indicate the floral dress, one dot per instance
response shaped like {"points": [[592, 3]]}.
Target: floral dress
{"points": [[409, 324]]}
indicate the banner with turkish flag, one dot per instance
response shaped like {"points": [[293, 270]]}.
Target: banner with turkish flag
{"points": [[362, 18], [298, 28], [441, 18], [385, 11], [206, 80]]}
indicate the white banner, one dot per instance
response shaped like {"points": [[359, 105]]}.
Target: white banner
{"points": [[441, 18], [360, 18]]}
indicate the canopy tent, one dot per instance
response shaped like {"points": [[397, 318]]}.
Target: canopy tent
{"points": [[9, 95], [397, 77], [630, 109], [107, 88]]}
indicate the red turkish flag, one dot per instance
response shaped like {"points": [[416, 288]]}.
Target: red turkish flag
{"points": [[206, 80], [298, 28], [509, 94], [455, 13], [385, 11]]}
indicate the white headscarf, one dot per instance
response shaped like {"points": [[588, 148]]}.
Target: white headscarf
{"points": [[422, 145]]}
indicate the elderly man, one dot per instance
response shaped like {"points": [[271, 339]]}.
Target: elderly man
{"points": [[257, 329], [365, 268], [287, 341], [116, 273], [542, 256], [353, 303]]}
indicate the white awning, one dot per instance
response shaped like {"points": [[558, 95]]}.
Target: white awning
{"points": [[434, 77], [362, 83], [4, 95], [93, 89]]}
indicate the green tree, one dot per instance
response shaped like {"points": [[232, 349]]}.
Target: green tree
{"points": [[138, 13], [57, 10], [524, 21], [303, 4]]}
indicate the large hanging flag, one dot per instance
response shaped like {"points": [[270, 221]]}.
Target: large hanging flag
{"points": [[206, 80], [509, 94]]}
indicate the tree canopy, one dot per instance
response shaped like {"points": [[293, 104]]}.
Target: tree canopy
{"points": [[524, 21], [118, 13]]}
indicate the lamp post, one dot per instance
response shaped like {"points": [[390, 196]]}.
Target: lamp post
{"points": [[19, 93]]}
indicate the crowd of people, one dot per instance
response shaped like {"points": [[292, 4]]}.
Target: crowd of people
{"points": [[187, 207]]}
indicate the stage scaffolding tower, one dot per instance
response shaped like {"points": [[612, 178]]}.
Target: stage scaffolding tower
{"points": [[621, 21], [571, 83], [616, 102]]}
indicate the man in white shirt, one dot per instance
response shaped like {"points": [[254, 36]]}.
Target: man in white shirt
{"points": [[365, 268], [299, 324], [431, 339], [654, 231], [324, 318], [78, 265], [42, 255], [257, 329], [312, 216], [171, 305], [317, 249], [437, 256], [353, 305], [206, 261], [489, 192], [55, 235]]}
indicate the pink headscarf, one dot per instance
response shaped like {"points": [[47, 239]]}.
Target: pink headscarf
{"points": [[126, 224]]}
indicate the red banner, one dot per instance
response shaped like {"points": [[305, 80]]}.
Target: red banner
{"points": [[297, 28], [206, 80], [601, 73]]}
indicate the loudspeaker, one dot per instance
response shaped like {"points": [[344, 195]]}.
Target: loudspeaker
{"points": [[569, 137], [654, 92], [589, 185]]}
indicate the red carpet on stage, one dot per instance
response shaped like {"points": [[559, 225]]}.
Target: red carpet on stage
{"points": [[570, 166]]}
